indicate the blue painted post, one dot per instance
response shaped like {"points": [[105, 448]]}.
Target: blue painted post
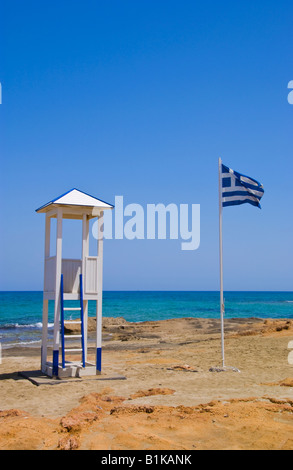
{"points": [[99, 360], [81, 319], [55, 362], [62, 322], [100, 294], [58, 266]]}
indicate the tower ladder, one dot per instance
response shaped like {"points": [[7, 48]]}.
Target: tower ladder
{"points": [[66, 322]]}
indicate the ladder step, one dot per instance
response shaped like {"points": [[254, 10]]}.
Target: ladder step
{"points": [[75, 322], [72, 308], [72, 336], [73, 350]]}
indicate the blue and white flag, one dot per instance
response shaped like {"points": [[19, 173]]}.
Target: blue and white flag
{"points": [[239, 189]]}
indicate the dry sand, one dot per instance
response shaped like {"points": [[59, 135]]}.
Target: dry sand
{"points": [[170, 399]]}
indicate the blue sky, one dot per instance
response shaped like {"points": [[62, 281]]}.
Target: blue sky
{"points": [[140, 99]]}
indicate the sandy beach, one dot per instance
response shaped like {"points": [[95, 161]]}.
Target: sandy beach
{"points": [[169, 399]]}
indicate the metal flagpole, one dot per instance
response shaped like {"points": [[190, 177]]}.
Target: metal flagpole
{"points": [[222, 306]]}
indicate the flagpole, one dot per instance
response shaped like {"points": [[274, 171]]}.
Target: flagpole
{"points": [[222, 306]]}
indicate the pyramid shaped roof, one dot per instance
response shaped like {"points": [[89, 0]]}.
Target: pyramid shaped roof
{"points": [[75, 198]]}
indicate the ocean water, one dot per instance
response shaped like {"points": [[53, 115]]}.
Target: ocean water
{"points": [[21, 312]]}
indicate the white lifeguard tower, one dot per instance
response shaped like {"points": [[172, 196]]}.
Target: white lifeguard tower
{"points": [[72, 279]]}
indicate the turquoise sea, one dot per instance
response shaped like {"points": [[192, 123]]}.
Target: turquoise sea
{"points": [[21, 312]]}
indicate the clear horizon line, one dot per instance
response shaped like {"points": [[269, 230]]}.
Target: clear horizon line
{"points": [[169, 290]]}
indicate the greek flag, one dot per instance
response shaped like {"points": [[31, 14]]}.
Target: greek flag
{"points": [[239, 189]]}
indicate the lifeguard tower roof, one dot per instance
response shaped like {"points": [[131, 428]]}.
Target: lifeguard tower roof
{"points": [[75, 199]]}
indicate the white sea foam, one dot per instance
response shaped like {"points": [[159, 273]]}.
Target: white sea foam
{"points": [[21, 343], [33, 325]]}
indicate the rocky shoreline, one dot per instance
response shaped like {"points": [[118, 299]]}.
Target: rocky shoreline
{"points": [[170, 399]]}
